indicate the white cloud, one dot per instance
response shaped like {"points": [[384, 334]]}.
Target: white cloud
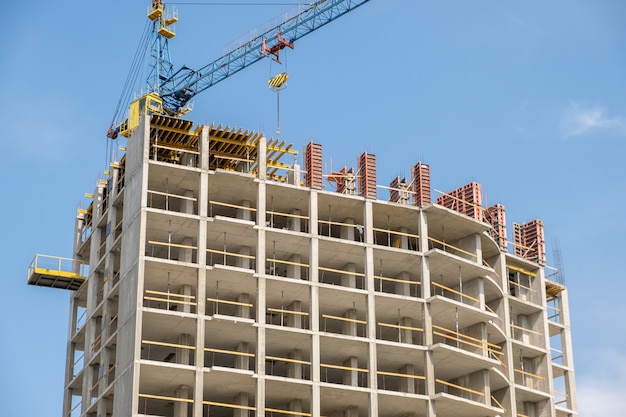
{"points": [[579, 120], [601, 394], [601, 399]]}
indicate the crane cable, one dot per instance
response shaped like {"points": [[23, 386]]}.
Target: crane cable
{"points": [[124, 100], [133, 73]]}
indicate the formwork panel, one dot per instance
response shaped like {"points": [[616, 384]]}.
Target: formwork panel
{"points": [[466, 200], [398, 192], [495, 215], [421, 184], [313, 161], [367, 171]]}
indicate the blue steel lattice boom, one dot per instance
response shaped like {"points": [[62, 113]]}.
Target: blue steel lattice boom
{"points": [[176, 89], [186, 83]]}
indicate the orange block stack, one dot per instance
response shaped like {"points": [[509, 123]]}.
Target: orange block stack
{"points": [[466, 200], [313, 165], [494, 215], [421, 184], [367, 172], [529, 241]]}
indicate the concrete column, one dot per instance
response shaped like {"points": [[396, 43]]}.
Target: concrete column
{"points": [[243, 213], [241, 399], [260, 272], [187, 205], [294, 320], [186, 254], [349, 327], [404, 240], [349, 280], [403, 288], [244, 261], [186, 290], [566, 347], [294, 370], [408, 384], [429, 367], [295, 222], [294, 271], [405, 335], [188, 160], [351, 377], [203, 147], [242, 310], [315, 310], [422, 226], [295, 405], [478, 249], [347, 232], [180, 407], [351, 412], [201, 293], [182, 354], [370, 306], [242, 361]]}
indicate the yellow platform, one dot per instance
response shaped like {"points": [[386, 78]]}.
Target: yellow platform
{"points": [[56, 272], [166, 32]]}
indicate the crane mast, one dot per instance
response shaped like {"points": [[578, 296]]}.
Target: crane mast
{"points": [[171, 91]]}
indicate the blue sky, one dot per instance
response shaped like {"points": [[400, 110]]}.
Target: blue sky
{"points": [[526, 98]]}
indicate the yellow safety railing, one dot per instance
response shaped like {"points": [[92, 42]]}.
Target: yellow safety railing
{"points": [[229, 352], [218, 301], [165, 201], [347, 320], [459, 387], [399, 281], [395, 242], [237, 206], [340, 271], [168, 297], [524, 329], [328, 316], [452, 290], [57, 266], [447, 245], [529, 374], [167, 344], [497, 403], [292, 263], [466, 340]]}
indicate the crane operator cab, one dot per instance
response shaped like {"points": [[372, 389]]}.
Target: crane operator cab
{"points": [[149, 104]]}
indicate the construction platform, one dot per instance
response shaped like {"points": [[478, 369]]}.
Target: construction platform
{"points": [[56, 272]]}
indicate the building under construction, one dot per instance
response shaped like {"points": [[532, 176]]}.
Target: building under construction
{"points": [[211, 278]]}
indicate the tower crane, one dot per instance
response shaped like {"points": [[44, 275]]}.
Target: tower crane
{"points": [[169, 91]]}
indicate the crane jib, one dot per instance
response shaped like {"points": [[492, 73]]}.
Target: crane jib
{"points": [[185, 83]]}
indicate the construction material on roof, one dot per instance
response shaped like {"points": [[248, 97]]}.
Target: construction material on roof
{"points": [[421, 184], [495, 216], [466, 199], [529, 241], [367, 175], [313, 165]]}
